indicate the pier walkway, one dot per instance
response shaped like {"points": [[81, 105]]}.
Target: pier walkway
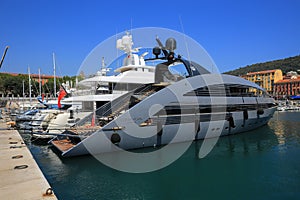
{"points": [[20, 176]]}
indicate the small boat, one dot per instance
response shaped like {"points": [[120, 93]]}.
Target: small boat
{"points": [[291, 108], [39, 124], [25, 118], [51, 123], [281, 108]]}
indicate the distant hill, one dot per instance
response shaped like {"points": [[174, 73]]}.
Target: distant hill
{"points": [[286, 65]]}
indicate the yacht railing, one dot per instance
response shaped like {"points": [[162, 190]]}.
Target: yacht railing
{"points": [[84, 92], [107, 108], [111, 110]]}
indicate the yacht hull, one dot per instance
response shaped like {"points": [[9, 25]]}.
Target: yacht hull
{"points": [[101, 142], [176, 116]]}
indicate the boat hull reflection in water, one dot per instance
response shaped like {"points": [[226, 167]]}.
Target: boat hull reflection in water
{"points": [[261, 163]]}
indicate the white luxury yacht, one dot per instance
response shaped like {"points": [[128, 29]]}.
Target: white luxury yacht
{"points": [[102, 88], [176, 107]]}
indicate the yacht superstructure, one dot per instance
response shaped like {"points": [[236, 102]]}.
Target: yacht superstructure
{"points": [[104, 88]]}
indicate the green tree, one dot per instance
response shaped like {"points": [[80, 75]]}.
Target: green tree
{"points": [[286, 65]]}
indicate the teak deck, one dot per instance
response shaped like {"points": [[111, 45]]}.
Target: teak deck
{"points": [[63, 145]]}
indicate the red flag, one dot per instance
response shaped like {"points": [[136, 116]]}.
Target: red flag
{"points": [[61, 95], [93, 120]]}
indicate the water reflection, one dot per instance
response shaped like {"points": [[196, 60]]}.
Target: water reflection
{"points": [[260, 163], [246, 143], [286, 126], [278, 128], [259, 140]]}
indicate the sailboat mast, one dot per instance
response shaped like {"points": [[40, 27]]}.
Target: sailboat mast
{"points": [[23, 89], [54, 86], [23, 92], [29, 80], [40, 84]]}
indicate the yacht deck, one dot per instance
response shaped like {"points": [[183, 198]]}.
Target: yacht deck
{"points": [[63, 145]]}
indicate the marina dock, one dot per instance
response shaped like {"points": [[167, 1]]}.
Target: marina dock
{"points": [[21, 177]]}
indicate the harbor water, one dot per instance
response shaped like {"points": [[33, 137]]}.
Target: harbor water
{"points": [[260, 164]]}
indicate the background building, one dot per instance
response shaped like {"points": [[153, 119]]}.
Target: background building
{"points": [[265, 79], [288, 86]]}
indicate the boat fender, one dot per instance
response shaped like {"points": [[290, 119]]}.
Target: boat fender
{"points": [[159, 129], [197, 126], [245, 114], [71, 114], [231, 122], [44, 127], [160, 133], [115, 138], [260, 111]]}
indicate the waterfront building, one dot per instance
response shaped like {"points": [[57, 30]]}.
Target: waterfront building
{"points": [[288, 86], [265, 79]]}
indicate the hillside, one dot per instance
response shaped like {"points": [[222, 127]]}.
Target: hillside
{"points": [[286, 65]]}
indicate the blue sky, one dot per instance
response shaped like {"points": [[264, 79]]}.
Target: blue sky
{"points": [[234, 33]]}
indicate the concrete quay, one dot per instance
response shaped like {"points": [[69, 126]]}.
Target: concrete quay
{"points": [[20, 176]]}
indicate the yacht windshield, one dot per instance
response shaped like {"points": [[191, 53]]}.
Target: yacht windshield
{"points": [[178, 69]]}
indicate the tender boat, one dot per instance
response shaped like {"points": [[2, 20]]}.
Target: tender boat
{"points": [[46, 124], [176, 107]]}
